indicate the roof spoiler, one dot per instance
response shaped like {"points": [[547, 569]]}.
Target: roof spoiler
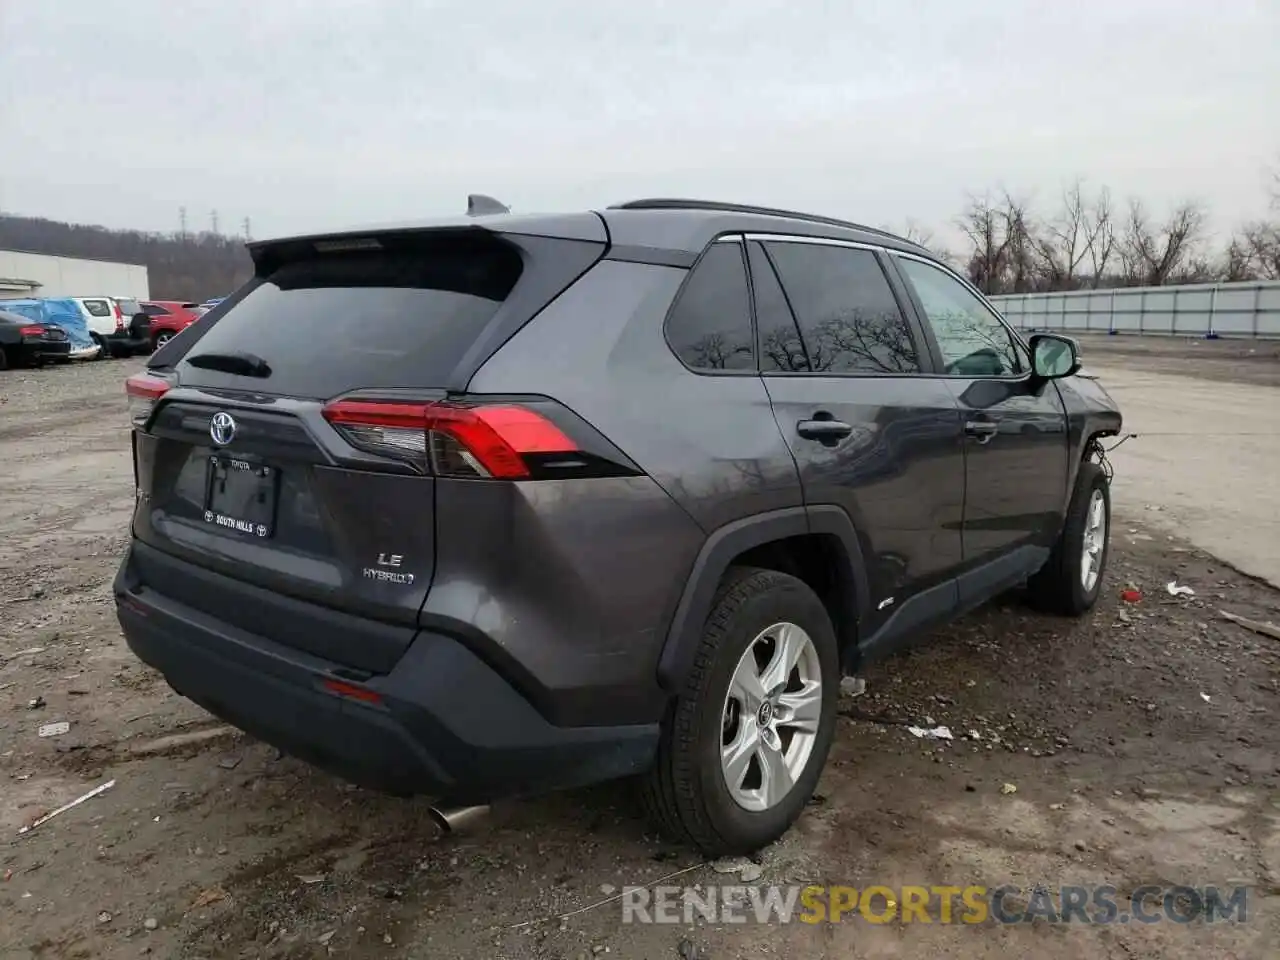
{"points": [[479, 205]]}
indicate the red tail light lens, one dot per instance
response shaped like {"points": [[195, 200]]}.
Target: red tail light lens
{"points": [[454, 439], [119, 316], [32, 331], [143, 391]]}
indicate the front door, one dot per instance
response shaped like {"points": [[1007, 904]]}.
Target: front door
{"points": [[871, 431], [1016, 444]]}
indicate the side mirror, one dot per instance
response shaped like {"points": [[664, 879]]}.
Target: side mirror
{"points": [[1054, 357]]}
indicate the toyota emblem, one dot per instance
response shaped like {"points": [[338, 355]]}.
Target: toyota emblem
{"points": [[222, 428]]}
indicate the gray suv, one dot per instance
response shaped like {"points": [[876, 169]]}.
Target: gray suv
{"points": [[507, 504]]}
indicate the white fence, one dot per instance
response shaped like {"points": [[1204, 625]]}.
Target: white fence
{"points": [[1249, 309]]}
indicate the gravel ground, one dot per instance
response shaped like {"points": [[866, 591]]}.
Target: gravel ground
{"points": [[1142, 742], [1225, 361]]}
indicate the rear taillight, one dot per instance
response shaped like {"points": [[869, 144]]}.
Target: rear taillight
{"points": [[119, 316], [457, 440], [143, 391], [32, 331]]}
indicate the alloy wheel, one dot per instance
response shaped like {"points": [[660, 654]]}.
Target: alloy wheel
{"points": [[771, 716]]}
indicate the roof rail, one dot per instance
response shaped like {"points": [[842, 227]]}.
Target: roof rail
{"points": [[661, 203]]}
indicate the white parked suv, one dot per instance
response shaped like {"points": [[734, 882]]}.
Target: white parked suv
{"points": [[115, 326]]}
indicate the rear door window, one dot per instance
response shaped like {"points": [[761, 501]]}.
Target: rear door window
{"points": [[97, 308], [332, 323], [849, 318], [781, 349], [154, 310], [710, 326]]}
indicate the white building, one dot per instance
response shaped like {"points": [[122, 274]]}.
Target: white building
{"points": [[40, 275]]}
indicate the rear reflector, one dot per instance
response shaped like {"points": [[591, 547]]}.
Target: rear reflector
{"points": [[352, 691], [453, 439], [143, 390]]}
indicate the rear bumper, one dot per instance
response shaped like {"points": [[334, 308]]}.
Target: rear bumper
{"points": [[446, 724], [43, 351], [124, 340]]}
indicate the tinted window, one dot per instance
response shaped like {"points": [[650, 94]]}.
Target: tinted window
{"points": [[344, 321], [848, 316], [97, 308], [710, 327], [154, 310], [972, 340], [781, 348]]}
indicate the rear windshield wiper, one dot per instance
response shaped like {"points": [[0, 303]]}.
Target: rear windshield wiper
{"points": [[241, 364]]}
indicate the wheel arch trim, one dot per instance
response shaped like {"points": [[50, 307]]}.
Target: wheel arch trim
{"points": [[733, 539]]}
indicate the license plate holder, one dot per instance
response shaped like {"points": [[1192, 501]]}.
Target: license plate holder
{"points": [[240, 496]]}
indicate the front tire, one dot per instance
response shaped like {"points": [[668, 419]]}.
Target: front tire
{"points": [[748, 735], [1071, 579]]}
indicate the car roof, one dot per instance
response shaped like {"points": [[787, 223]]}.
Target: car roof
{"points": [[679, 226]]}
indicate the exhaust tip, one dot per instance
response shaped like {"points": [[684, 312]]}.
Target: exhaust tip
{"points": [[458, 819]]}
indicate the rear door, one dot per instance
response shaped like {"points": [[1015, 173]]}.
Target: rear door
{"points": [[245, 471], [871, 430], [1016, 446]]}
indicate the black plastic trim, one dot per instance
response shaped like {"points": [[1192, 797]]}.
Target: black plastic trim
{"points": [[448, 725], [654, 256], [927, 608], [665, 203], [538, 286], [719, 552]]}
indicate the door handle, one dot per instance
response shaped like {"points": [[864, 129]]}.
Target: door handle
{"points": [[827, 431], [982, 430]]}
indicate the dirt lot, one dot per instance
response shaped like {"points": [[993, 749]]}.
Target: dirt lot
{"points": [[1143, 744], [1224, 361]]}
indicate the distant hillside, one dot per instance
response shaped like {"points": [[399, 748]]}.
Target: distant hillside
{"points": [[179, 268]]}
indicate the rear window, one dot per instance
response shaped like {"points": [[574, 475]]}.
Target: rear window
{"points": [[333, 323], [97, 308], [128, 307]]}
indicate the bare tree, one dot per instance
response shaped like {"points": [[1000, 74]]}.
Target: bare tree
{"points": [[1100, 237], [1021, 234], [1156, 254], [1254, 254], [983, 224], [918, 234], [1062, 245], [1236, 261]]}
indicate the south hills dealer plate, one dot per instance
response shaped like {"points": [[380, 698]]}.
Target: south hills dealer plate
{"points": [[241, 497]]}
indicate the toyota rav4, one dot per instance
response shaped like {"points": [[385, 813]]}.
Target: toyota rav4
{"points": [[506, 504]]}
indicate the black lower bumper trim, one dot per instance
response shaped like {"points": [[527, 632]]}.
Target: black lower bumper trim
{"points": [[447, 725]]}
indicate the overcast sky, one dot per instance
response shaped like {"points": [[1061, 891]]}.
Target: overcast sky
{"points": [[303, 114]]}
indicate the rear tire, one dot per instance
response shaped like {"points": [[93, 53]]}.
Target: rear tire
{"points": [[160, 340], [4, 359], [757, 615], [104, 351], [1063, 584]]}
